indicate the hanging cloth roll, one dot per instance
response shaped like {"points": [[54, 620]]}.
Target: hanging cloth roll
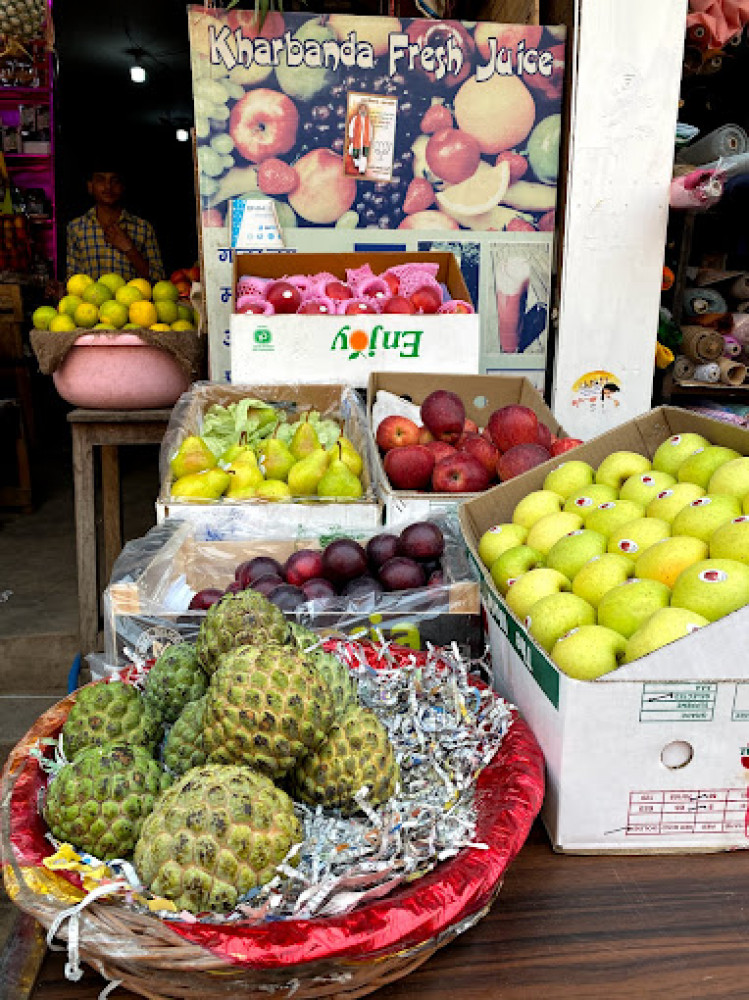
{"points": [[701, 344], [703, 301], [731, 372], [683, 368], [731, 346], [728, 140], [707, 373], [741, 328]]}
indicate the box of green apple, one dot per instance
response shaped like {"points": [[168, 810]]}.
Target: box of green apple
{"points": [[294, 454], [616, 587]]}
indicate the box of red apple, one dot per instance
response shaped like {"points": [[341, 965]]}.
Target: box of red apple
{"points": [[340, 316], [443, 439]]}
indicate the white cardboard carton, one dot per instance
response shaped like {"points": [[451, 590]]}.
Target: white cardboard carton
{"points": [[653, 757]]}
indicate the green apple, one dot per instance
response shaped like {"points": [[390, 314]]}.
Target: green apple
{"points": [[731, 541], [600, 575], [551, 528], [635, 537], [665, 560], [531, 587], [626, 607], [731, 479], [619, 466], [645, 486], [588, 652], [553, 616], [536, 505], [674, 450], [572, 551], [704, 516], [569, 477], [670, 501], [513, 564], [609, 516], [586, 500], [499, 539], [665, 626], [712, 588], [700, 466]]}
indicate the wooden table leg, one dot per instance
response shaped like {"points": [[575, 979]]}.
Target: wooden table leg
{"points": [[111, 506], [85, 534]]}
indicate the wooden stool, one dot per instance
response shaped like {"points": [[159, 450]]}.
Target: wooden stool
{"points": [[105, 429]]}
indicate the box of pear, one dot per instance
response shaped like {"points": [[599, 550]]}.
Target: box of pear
{"points": [[616, 587], [412, 587]]}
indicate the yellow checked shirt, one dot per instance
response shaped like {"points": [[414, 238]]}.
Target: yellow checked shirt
{"points": [[88, 251]]}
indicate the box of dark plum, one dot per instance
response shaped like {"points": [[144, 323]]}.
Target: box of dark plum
{"points": [[412, 586]]}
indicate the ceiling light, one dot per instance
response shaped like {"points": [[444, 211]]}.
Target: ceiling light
{"points": [[137, 74], [182, 135]]}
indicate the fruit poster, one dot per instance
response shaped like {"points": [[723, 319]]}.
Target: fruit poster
{"points": [[378, 133]]}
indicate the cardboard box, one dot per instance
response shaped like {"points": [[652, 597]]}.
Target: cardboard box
{"points": [[652, 757], [481, 394], [269, 347], [291, 518]]}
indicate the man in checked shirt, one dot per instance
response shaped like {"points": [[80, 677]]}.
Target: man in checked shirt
{"points": [[110, 240]]}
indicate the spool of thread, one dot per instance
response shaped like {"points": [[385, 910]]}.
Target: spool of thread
{"points": [[701, 301], [683, 368], [741, 328], [731, 347], [731, 372], [701, 344], [740, 288], [728, 140], [707, 373]]}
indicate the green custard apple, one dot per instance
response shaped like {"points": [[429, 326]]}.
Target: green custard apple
{"points": [[174, 680], [110, 713]]}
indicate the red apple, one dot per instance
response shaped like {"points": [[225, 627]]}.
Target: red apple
{"points": [[518, 164], [561, 445], [283, 296], [513, 424], [314, 307], [544, 436], [444, 414], [452, 155], [337, 291], [459, 473], [441, 449], [519, 459], [392, 281], [470, 426], [426, 299], [396, 432], [482, 450], [425, 435], [410, 467], [398, 304], [324, 193], [549, 86], [434, 35], [359, 309], [263, 124]]}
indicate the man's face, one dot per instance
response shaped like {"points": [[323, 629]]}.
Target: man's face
{"points": [[106, 188]]}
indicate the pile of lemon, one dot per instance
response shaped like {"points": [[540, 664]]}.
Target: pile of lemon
{"points": [[111, 303]]}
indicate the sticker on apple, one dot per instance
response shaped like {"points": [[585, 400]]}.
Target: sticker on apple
{"points": [[713, 576], [608, 505], [571, 632], [584, 502], [701, 502], [577, 531], [627, 546], [646, 480], [740, 519], [676, 439], [665, 493], [692, 627]]}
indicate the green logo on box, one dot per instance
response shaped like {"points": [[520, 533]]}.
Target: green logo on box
{"points": [[263, 339], [360, 343]]}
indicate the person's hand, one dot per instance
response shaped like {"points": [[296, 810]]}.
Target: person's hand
{"points": [[117, 238]]}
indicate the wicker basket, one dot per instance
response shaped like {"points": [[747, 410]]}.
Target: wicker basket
{"points": [[151, 959]]}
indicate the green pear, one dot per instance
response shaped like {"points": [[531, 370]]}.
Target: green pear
{"points": [[569, 477], [245, 479], [273, 489], [587, 500], [553, 616], [339, 480], [731, 541], [674, 450], [665, 626], [513, 564], [629, 605], [670, 501], [572, 551], [304, 440], [700, 466], [276, 459], [619, 466], [536, 505], [712, 588], [349, 455], [607, 517], [531, 587], [232, 453], [600, 575], [551, 528], [206, 485], [192, 456], [635, 537], [702, 517], [589, 651], [305, 475], [645, 486], [665, 560], [731, 479], [498, 539]]}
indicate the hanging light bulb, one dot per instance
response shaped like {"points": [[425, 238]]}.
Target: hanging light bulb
{"points": [[182, 135], [137, 74]]}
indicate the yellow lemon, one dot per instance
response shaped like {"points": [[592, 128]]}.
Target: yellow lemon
{"points": [[182, 325], [78, 283], [142, 285], [166, 310], [113, 312], [159, 326], [62, 323], [112, 281], [96, 293], [127, 295], [86, 314], [68, 304], [165, 290], [143, 313], [43, 316]]}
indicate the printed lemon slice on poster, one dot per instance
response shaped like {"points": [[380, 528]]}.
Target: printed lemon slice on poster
{"points": [[477, 195]]}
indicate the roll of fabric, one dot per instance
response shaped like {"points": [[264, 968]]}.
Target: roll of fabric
{"points": [[731, 347], [701, 344], [740, 288], [701, 301], [731, 372], [742, 307], [741, 328], [707, 373], [683, 368], [730, 166], [699, 189], [722, 322], [728, 140]]}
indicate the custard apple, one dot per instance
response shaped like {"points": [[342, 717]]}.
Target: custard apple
{"points": [[214, 835], [98, 801], [236, 620], [109, 713], [265, 708], [175, 679], [183, 747], [336, 674], [356, 752]]}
